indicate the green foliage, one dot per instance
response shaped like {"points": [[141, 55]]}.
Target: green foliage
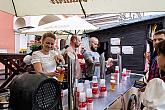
{"points": [[35, 47]]}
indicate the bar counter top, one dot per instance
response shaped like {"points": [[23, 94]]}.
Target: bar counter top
{"points": [[112, 96]]}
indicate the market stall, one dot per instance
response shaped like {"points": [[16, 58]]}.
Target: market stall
{"points": [[117, 99]]}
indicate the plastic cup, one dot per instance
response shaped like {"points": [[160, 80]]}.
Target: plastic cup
{"points": [[89, 92], [112, 76], [116, 69], [80, 87], [124, 70], [86, 84], [62, 72], [102, 82], [82, 97], [112, 85], [94, 79], [128, 73]]}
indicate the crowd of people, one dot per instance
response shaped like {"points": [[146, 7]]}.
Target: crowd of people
{"points": [[155, 85], [46, 59]]}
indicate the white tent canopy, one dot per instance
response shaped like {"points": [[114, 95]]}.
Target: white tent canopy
{"points": [[44, 7], [68, 24]]}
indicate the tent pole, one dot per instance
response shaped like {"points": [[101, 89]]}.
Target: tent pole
{"points": [[82, 8], [14, 8]]}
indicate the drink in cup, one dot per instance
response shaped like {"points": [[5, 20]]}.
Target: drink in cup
{"points": [[112, 84], [61, 70]]}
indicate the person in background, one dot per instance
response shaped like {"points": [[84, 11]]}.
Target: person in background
{"points": [[35, 47], [92, 59], [156, 86], [37, 43], [147, 58], [153, 69], [64, 49], [160, 48], [44, 60], [109, 65], [75, 42]]}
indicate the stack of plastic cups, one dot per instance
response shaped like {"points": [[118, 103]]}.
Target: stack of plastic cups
{"points": [[124, 74], [112, 76], [128, 73], [103, 89], [89, 99], [95, 88], [116, 74], [76, 84], [82, 101], [116, 69], [64, 93], [80, 89], [76, 93], [86, 85]]}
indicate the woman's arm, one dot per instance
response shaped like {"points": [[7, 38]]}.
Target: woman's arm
{"points": [[38, 68]]}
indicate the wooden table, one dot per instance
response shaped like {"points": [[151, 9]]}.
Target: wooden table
{"points": [[12, 64]]}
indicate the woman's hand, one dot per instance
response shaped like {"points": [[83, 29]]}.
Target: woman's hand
{"points": [[59, 59], [57, 73], [52, 74]]}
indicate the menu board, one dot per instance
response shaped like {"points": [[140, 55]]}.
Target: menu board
{"points": [[115, 49], [127, 49], [115, 41]]}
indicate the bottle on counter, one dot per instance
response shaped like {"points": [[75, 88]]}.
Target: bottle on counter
{"points": [[95, 87]]}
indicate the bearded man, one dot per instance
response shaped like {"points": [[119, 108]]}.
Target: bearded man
{"points": [[91, 57]]}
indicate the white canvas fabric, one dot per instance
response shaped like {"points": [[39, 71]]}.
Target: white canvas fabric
{"points": [[43, 7], [154, 95], [69, 24]]}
